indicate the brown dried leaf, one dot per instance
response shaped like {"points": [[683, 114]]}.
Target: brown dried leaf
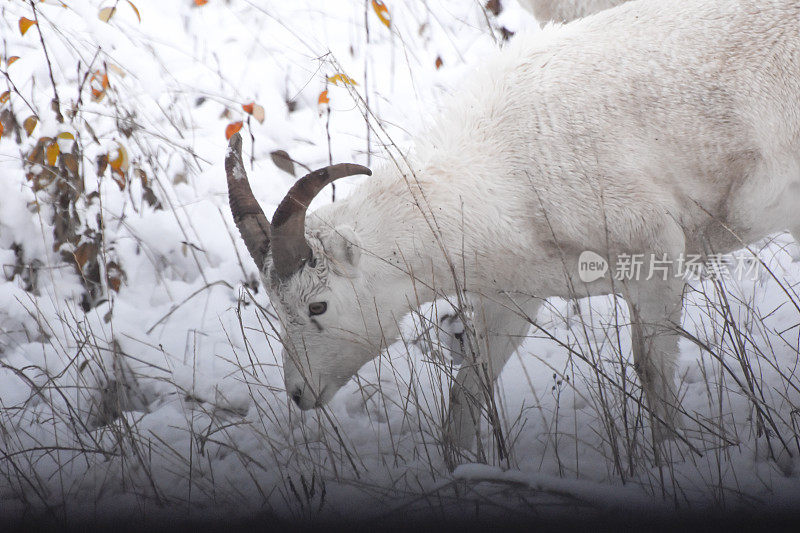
{"points": [[102, 164], [116, 275], [283, 161], [84, 253], [37, 154], [494, 6], [119, 179], [71, 162]]}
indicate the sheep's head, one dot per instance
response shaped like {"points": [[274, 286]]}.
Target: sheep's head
{"points": [[313, 281]]}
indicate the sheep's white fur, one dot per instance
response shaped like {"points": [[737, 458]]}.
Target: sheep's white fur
{"points": [[652, 127], [566, 10]]}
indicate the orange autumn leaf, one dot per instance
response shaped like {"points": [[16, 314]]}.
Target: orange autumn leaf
{"points": [[1, 130], [25, 24], [11, 60], [30, 124], [383, 12], [4, 97], [323, 98], [199, 3], [51, 154], [248, 108], [135, 10], [439, 62], [232, 128], [119, 165], [98, 83]]}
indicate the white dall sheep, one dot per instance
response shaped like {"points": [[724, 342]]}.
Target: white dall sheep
{"points": [[654, 127], [566, 10]]}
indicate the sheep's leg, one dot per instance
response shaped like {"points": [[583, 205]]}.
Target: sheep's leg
{"points": [[655, 308], [498, 331]]}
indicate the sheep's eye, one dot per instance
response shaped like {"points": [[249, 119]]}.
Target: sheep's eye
{"points": [[317, 308]]}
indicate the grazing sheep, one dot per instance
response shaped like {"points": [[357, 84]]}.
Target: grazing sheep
{"points": [[682, 137]]}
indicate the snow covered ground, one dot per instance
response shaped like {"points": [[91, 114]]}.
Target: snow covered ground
{"points": [[166, 396]]}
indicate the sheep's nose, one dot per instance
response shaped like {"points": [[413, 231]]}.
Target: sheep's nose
{"points": [[296, 394]]}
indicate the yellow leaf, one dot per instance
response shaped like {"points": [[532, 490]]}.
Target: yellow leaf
{"points": [[25, 24], [4, 97], [344, 78], [106, 13], [51, 155], [65, 141], [30, 124], [232, 128], [11, 60], [138, 16], [383, 12], [120, 163]]}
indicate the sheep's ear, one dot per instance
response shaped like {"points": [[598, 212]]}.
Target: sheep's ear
{"points": [[344, 246]]}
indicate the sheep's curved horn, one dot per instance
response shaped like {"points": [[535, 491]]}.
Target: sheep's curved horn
{"points": [[289, 247], [253, 225]]}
